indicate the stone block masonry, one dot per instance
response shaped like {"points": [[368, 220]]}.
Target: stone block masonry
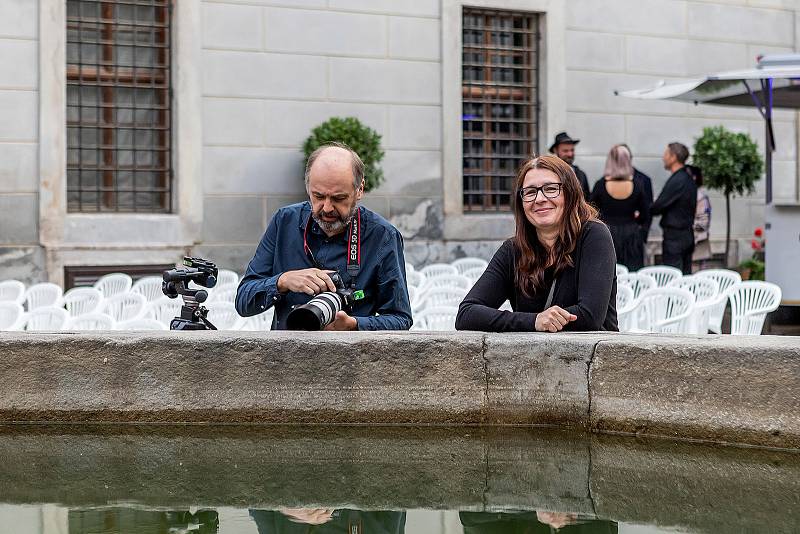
{"points": [[720, 388]]}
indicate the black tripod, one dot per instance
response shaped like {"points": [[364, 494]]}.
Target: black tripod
{"points": [[193, 315]]}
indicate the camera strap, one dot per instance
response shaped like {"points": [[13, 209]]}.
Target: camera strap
{"points": [[353, 247]]}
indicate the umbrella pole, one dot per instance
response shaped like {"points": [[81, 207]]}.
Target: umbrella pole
{"points": [[766, 90]]}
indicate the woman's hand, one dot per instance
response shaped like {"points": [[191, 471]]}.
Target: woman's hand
{"points": [[553, 319]]}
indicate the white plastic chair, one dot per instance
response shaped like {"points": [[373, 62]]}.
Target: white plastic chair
{"points": [[113, 284], [447, 280], [412, 294], [82, 300], [149, 287], [224, 294], [12, 316], [125, 306], [621, 269], [12, 290], [706, 293], [725, 278], [436, 319], [43, 295], [437, 269], [662, 274], [223, 315], [626, 304], [91, 321], [163, 310], [415, 278], [464, 264], [639, 283], [258, 323], [437, 297], [751, 301], [226, 277], [48, 318], [409, 268], [665, 310], [141, 323], [474, 274]]}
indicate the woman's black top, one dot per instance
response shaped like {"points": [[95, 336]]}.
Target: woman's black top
{"points": [[587, 290], [620, 211]]}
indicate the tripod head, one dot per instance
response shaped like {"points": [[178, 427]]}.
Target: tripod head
{"points": [[176, 282]]}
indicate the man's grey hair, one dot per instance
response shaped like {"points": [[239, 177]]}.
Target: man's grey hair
{"points": [[358, 165]]}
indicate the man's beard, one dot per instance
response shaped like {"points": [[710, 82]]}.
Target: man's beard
{"points": [[337, 226]]}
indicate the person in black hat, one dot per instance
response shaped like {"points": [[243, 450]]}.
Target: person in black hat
{"points": [[564, 148]]}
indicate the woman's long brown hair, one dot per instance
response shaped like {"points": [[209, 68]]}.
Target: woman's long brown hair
{"points": [[532, 256]]}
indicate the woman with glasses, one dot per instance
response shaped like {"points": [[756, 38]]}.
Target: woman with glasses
{"points": [[558, 271], [623, 206]]}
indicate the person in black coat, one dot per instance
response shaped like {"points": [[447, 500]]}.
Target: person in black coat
{"points": [[558, 271], [623, 205], [564, 148], [676, 204]]}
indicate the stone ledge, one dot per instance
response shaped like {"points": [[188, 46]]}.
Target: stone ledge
{"points": [[735, 389]]}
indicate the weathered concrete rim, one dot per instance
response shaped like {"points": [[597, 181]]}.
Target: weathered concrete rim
{"points": [[738, 390]]}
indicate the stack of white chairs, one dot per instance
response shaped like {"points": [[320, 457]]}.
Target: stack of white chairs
{"points": [[637, 282], [474, 274], [224, 294], [436, 318], [463, 265], [750, 303], [163, 309], [12, 315], [90, 321], [46, 318], [43, 295], [706, 294], [142, 323], [82, 300], [665, 310], [223, 315], [12, 291], [662, 274], [125, 306], [725, 279], [149, 287], [113, 284], [437, 269], [626, 304], [438, 297]]}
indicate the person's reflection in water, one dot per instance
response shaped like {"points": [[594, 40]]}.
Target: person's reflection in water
{"points": [[533, 523], [327, 521]]}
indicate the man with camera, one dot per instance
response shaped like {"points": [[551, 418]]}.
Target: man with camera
{"points": [[329, 263]]}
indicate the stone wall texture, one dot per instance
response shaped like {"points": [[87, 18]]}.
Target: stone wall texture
{"points": [[720, 388]]}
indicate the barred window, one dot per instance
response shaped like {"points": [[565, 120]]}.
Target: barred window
{"points": [[118, 106], [500, 94]]}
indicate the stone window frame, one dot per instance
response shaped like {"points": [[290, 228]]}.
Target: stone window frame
{"points": [[119, 238], [494, 226]]}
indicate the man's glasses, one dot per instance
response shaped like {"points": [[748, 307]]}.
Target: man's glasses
{"points": [[529, 194]]}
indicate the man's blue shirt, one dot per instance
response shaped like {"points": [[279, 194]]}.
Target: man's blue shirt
{"points": [[382, 276]]}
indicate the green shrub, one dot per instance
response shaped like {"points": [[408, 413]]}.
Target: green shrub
{"points": [[730, 163], [363, 139]]}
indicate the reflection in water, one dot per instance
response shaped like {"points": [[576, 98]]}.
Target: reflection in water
{"points": [[119, 520], [325, 521], [533, 523]]}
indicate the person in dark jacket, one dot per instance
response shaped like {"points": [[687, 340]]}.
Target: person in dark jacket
{"points": [[564, 148], [306, 242], [676, 204], [558, 271], [645, 184], [622, 204]]}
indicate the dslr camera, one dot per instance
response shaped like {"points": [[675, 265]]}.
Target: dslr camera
{"points": [[176, 282], [321, 310]]}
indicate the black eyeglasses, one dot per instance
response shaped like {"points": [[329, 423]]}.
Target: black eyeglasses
{"points": [[529, 194]]}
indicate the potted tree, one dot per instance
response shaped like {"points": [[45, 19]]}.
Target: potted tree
{"points": [[731, 164], [363, 139]]}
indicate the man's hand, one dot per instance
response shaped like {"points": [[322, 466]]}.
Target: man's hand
{"points": [[310, 281], [342, 321], [553, 319]]}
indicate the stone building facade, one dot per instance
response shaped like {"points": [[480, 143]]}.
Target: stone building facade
{"points": [[250, 78]]}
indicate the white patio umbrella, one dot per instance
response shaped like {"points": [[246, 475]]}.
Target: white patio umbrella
{"points": [[774, 83]]}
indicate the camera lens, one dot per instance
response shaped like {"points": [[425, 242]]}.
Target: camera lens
{"points": [[316, 314]]}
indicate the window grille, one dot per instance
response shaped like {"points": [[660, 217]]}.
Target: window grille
{"points": [[500, 95], [118, 106]]}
